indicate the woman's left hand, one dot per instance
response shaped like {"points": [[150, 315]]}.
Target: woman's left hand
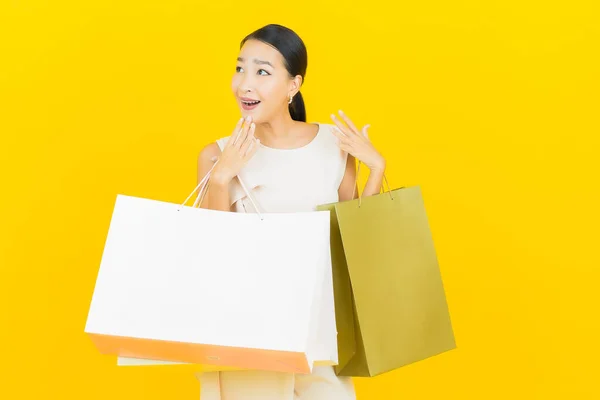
{"points": [[357, 143]]}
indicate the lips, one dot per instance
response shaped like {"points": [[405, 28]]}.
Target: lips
{"points": [[249, 104]]}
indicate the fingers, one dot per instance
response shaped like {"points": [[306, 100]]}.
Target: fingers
{"points": [[342, 138], [343, 128], [365, 132], [236, 132], [346, 148], [249, 139], [345, 144], [243, 132], [349, 122], [252, 149]]}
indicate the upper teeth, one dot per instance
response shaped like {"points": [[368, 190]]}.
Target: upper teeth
{"points": [[252, 102]]}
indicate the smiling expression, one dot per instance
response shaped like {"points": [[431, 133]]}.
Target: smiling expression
{"points": [[261, 83]]}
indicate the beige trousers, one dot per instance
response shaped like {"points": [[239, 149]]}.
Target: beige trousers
{"points": [[322, 384]]}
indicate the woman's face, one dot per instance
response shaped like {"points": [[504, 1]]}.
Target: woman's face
{"points": [[261, 83]]}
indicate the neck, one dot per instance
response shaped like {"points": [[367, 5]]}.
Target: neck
{"points": [[275, 131]]}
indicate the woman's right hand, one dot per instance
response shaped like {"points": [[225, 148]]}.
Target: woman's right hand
{"points": [[240, 148]]}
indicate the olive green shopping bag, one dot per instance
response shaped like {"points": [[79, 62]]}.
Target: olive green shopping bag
{"points": [[390, 303]]}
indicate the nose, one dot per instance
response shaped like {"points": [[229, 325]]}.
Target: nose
{"points": [[246, 85]]}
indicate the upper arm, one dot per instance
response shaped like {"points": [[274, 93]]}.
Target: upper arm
{"points": [[348, 185], [206, 159]]}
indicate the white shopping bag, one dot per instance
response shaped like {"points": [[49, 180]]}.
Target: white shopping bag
{"points": [[326, 341], [189, 285]]}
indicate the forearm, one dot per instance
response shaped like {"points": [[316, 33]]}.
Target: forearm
{"points": [[217, 195]]}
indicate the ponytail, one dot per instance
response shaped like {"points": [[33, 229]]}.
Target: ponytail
{"points": [[297, 108]]}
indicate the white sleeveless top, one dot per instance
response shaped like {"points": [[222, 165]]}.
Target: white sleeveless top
{"points": [[291, 180]]}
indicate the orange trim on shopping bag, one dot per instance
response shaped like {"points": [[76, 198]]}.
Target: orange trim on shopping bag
{"points": [[226, 356]]}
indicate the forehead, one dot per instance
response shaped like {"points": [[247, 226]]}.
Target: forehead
{"points": [[257, 50]]}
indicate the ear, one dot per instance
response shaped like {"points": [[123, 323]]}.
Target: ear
{"points": [[295, 85]]}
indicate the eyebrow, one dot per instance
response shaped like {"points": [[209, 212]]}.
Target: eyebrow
{"points": [[259, 62]]}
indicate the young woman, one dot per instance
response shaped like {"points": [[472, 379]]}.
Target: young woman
{"points": [[288, 165]]}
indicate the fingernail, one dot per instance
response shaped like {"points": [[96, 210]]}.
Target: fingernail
{"points": [[333, 116], [252, 125], [248, 118], [340, 111]]}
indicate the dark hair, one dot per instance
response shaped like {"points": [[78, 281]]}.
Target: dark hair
{"points": [[293, 50]]}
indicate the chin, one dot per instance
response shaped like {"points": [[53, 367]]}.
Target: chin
{"points": [[256, 117]]}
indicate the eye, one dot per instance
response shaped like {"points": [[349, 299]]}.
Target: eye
{"points": [[238, 69], [263, 72]]}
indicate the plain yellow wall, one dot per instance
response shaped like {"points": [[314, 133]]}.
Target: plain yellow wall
{"points": [[491, 107]]}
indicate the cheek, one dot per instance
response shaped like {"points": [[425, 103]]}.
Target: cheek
{"points": [[273, 92], [235, 83]]}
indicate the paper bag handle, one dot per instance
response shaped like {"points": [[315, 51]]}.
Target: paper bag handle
{"points": [[356, 184], [204, 184]]}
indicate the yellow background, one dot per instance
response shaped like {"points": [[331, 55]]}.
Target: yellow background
{"points": [[491, 106]]}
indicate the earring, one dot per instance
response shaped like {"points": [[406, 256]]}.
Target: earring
{"points": [[291, 98]]}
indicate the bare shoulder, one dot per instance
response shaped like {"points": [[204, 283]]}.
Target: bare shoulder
{"points": [[209, 153], [207, 158]]}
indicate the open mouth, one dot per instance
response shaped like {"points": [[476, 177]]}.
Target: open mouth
{"points": [[250, 104]]}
